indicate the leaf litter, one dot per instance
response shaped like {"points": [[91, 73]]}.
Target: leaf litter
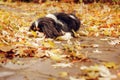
{"points": [[98, 20]]}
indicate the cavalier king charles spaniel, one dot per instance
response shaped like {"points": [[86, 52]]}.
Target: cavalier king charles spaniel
{"points": [[57, 24]]}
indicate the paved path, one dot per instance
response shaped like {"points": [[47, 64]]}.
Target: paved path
{"points": [[39, 69]]}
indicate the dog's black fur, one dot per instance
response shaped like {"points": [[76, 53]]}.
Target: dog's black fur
{"points": [[56, 25]]}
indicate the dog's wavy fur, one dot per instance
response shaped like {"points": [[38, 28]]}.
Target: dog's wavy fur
{"points": [[54, 25]]}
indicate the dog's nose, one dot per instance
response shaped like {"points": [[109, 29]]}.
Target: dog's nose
{"points": [[36, 28]]}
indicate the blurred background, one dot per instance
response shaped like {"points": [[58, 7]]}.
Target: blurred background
{"points": [[68, 1]]}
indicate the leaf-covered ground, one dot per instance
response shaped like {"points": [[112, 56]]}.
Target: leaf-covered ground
{"points": [[98, 35]]}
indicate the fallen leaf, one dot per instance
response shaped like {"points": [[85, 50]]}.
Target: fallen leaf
{"points": [[63, 65], [63, 74], [110, 65]]}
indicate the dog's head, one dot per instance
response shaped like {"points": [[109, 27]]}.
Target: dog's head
{"points": [[34, 26]]}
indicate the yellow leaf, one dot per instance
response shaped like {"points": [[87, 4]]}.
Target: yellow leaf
{"points": [[63, 74], [56, 57], [93, 28], [75, 34], [107, 33], [48, 44], [34, 33], [110, 65], [84, 33], [52, 79], [1, 27]]}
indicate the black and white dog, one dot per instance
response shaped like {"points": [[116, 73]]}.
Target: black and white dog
{"points": [[57, 24]]}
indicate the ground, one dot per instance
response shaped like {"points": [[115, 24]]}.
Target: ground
{"points": [[92, 55]]}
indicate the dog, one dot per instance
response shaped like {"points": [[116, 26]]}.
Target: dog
{"points": [[57, 24]]}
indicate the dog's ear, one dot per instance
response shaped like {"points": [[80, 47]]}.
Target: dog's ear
{"points": [[32, 26], [49, 29], [50, 32]]}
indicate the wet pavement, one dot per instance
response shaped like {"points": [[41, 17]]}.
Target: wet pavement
{"points": [[43, 69]]}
